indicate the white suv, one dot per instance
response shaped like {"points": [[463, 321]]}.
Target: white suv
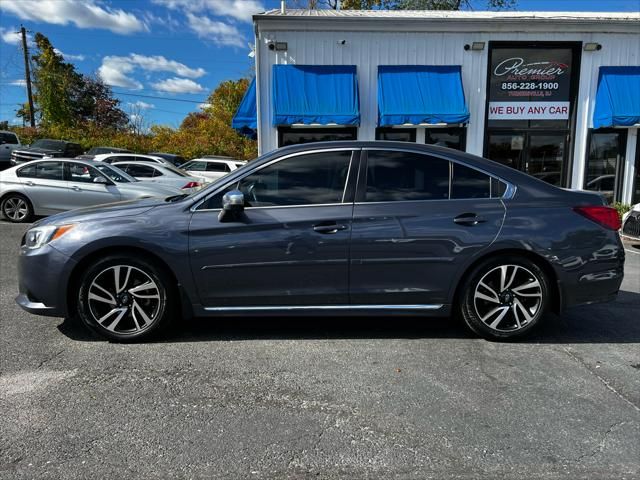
{"points": [[210, 167], [130, 157]]}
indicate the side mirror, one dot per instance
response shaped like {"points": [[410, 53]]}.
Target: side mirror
{"points": [[100, 180], [232, 205]]}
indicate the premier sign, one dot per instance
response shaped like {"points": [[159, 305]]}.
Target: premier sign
{"points": [[528, 110], [530, 84]]}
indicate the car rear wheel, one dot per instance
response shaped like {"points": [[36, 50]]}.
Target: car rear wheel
{"points": [[505, 297], [16, 208], [125, 299]]}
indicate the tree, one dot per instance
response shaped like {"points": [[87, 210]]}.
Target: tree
{"points": [[65, 98], [54, 82]]}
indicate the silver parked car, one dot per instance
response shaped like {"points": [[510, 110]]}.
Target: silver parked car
{"points": [[45, 187], [163, 174]]}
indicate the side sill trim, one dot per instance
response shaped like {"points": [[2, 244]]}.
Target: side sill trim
{"points": [[322, 307]]}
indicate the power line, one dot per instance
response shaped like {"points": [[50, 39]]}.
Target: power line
{"points": [[160, 98]]}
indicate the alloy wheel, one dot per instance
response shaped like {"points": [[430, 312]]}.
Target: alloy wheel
{"points": [[508, 297], [16, 209], [124, 299]]}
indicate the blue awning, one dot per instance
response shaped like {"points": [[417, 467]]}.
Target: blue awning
{"points": [[618, 97], [415, 94], [245, 120], [315, 94]]}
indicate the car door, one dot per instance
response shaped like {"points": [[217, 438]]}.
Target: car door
{"points": [[45, 185], [84, 191], [417, 219], [290, 245]]}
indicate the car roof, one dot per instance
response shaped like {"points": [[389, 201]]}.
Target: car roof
{"points": [[222, 159], [138, 162]]}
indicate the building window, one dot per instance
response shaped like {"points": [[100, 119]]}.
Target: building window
{"points": [[396, 134], [295, 136], [452, 137], [605, 162]]}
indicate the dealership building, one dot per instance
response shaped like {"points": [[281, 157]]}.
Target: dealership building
{"points": [[556, 95]]}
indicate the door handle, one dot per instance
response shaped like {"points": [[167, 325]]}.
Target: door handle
{"points": [[76, 188], [29, 183], [328, 227], [468, 219]]}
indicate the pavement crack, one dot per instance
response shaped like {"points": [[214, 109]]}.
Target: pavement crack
{"points": [[602, 442], [48, 359], [602, 379]]}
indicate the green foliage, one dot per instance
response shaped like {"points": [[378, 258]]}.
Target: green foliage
{"points": [[622, 208], [201, 133]]}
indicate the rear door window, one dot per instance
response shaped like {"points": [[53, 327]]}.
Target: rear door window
{"points": [[43, 171], [218, 167], [405, 176], [469, 183], [140, 171]]}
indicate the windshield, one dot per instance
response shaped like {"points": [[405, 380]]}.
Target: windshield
{"points": [[49, 144], [114, 173]]}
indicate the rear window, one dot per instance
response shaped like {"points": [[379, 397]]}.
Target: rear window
{"points": [[8, 138], [42, 170], [218, 167]]}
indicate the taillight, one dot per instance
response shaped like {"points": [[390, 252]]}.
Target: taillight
{"points": [[606, 216], [191, 185]]}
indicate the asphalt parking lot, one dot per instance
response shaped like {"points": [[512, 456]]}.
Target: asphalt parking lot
{"points": [[317, 398]]}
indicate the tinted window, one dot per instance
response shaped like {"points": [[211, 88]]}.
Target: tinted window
{"points": [[72, 150], [294, 136], [469, 183], [49, 144], [498, 188], [302, 180], [396, 134], [195, 166], [451, 137], [79, 172], [43, 170], [8, 138], [114, 173], [217, 167], [140, 171], [403, 176]]}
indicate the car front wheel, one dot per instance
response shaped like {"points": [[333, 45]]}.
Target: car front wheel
{"points": [[505, 297], [125, 299]]}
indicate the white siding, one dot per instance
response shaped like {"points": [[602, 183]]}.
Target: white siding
{"points": [[368, 49]]}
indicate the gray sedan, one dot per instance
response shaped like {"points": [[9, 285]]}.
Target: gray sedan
{"points": [[45, 187]]}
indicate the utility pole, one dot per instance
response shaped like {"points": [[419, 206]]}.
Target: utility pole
{"points": [[27, 75]]}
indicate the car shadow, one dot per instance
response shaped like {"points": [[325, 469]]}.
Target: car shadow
{"points": [[616, 322]]}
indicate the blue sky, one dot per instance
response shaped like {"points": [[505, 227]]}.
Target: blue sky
{"points": [[173, 49]]}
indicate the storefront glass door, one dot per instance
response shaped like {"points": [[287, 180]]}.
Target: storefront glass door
{"points": [[541, 154]]}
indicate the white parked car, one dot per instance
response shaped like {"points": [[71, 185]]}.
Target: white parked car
{"points": [[162, 174], [631, 223], [211, 167], [130, 157], [45, 187]]}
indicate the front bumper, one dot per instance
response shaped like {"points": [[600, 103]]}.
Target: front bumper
{"points": [[43, 276], [631, 226]]}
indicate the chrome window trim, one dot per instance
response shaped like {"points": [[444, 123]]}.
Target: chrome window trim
{"points": [[194, 207], [267, 308], [511, 189]]}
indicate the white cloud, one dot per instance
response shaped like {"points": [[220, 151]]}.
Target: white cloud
{"points": [[10, 36], [18, 83], [82, 13], [241, 10], [70, 56], [117, 71], [204, 106], [142, 105], [178, 85], [215, 31]]}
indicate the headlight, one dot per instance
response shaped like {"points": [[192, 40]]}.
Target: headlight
{"points": [[39, 236]]}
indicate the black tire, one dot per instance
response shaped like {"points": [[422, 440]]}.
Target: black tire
{"points": [[521, 299], [16, 208], [126, 311]]}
